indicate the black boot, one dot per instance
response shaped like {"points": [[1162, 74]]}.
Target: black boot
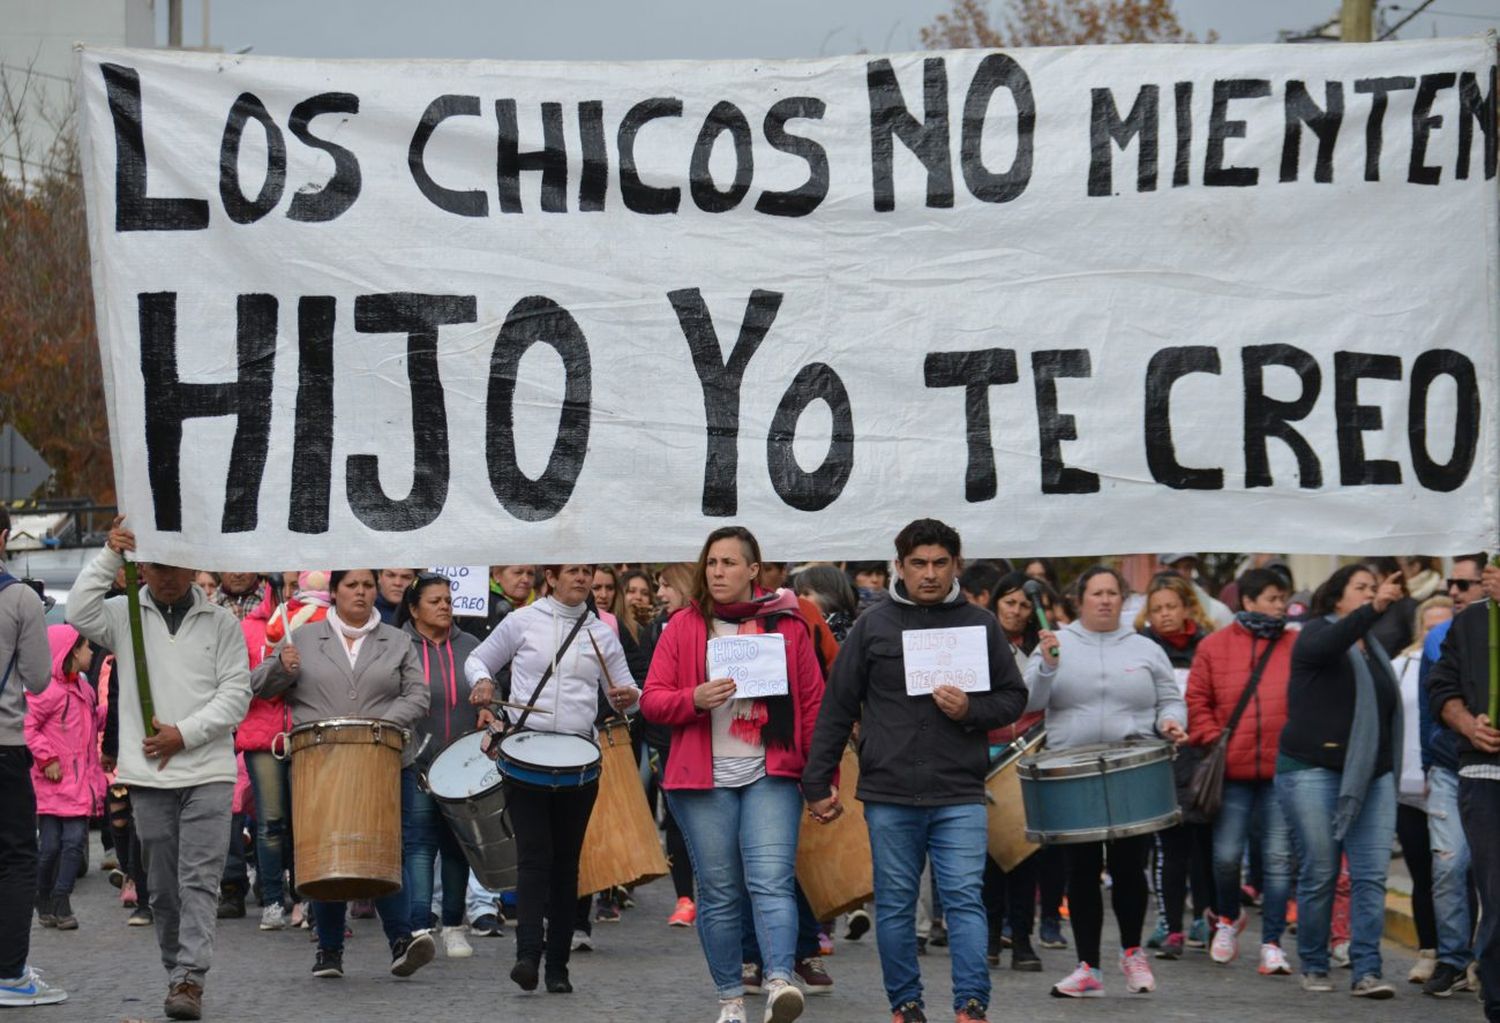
{"points": [[557, 981], [1022, 956], [524, 973]]}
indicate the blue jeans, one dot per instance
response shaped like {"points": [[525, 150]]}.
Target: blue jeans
{"points": [[1309, 797], [807, 930], [60, 842], [424, 835], [743, 838], [954, 838], [1246, 803], [1450, 869], [394, 909], [271, 781]]}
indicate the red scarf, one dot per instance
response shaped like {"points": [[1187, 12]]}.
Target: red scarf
{"points": [[750, 616]]}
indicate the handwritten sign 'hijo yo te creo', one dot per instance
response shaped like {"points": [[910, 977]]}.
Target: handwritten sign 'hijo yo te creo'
{"points": [[486, 312], [469, 586], [945, 657], [757, 663]]}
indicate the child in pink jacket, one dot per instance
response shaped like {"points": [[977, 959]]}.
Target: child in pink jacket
{"points": [[63, 723]]}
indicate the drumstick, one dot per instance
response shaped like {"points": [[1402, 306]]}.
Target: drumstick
{"points": [[604, 668], [1033, 591], [519, 706]]}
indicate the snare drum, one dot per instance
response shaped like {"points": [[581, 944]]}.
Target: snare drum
{"points": [[467, 787], [1099, 793], [548, 760]]}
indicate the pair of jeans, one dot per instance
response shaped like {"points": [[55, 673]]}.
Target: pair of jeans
{"points": [[17, 859], [271, 781], [1450, 869], [182, 841], [807, 929], [1251, 810], [1127, 871], [236, 870], [478, 900], [60, 842], [1479, 806], [426, 841], [1309, 797], [394, 910], [549, 825], [955, 840], [743, 839]]}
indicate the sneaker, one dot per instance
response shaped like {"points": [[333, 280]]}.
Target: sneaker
{"points": [[300, 919], [329, 963], [1371, 986], [972, 1012], [231, 904], [117, 877], [607, 913], [362, 909], [1173, 946], [273, 918], [909, 1012], [684, 915], [938, 936], [1273, 962], [732, 1010], [582, 942], [624, 898], [128, 896], [825, 942], [110, 862], [524, 973], [1051, 935], [184, 1001], [1159, 936], [557, 982], [487, 926], [1084, 982], [140, 918], [784, 1002], [858, 925], [1024, 958], [62, 913], [1338, 955], [1249, 896], [411, 953], [1473, 974], [1318, 982], [1446, 980], [1423, 969], [45, 914], [455, 945], [750, 978], [814, 977], [1197, 935], [1137, 970], [29, 989], [1226, 944]]}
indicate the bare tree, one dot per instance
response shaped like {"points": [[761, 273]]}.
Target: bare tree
{"points": [[1057, 23]]}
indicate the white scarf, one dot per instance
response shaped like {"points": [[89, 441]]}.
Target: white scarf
{"points": [[353, 636]]}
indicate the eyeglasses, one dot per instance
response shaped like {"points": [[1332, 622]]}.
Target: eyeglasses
{"points": [[1462, 584]]}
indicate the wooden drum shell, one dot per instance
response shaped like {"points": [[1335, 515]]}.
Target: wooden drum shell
{"points": [[834, 864], [621, 845]]}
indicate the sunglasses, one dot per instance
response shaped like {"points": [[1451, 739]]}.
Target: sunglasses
{"points": [[1462, 584]]}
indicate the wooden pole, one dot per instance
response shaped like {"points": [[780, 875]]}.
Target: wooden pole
{"points": [[138, 646], [1357, 21], [1494, 655]]}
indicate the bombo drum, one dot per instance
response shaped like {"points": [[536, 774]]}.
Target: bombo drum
{"points": [[1098, 793], [470, 791]]}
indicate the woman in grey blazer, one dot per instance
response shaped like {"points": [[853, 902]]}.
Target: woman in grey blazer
{"points": [[350, 665]]}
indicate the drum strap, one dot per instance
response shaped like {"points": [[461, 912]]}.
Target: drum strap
{"points": [[547, 675]]}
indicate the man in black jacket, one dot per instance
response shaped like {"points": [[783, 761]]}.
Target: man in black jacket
{"points": [[922, 761], [1460, 693]]}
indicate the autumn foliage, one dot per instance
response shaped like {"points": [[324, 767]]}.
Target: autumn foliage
{"points": [[1057, 23]]}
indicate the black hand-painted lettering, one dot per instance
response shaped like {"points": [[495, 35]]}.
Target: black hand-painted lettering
{"points": [[1182, 94], [465, 203], [1354, 420], [927, 138], [134, 209], [808, 196], [1054, 427], [1475, 108], [593, 180], [240, 209], [1423, 123], [724, 116], [1221, 128], [339, 192], [312, 455], [640, 197], [1165, 368], [1106, 127], [1267, 417], [551, 159], [1444, 477], [976, 372], [1324, 122], [997, 71], [816, 490], [1379, 90]]}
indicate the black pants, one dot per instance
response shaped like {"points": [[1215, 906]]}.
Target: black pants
{"points": [[121, 823], [1185, 862], [1010, 898], [677, 856], [549, 829], [1127, 870], [1052, 879], [17, 859], [1411, 832], [1479, 807]]}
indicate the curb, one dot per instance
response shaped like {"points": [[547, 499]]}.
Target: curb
{"points": [[1400, 926]]}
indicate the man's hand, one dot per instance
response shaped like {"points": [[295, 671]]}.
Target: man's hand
{"points": [[952, 701], [164, 745], [713, 693], [53, 771], [1482, 735], [120, 539], [826, 811], [1491, 582]]}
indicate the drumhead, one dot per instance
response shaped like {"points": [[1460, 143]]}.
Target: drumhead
{"points": [[549, 750], [1101, 758], [462, 769]]}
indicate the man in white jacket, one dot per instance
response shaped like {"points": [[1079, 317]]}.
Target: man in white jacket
{"points": [[181, 777]]}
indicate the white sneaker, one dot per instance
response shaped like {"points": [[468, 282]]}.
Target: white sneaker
{"points": [[1422, 969], [30, 989], [1273, 962], [273, 917], [1137, 970], [1339, 955], [732, 1010], [582, 942], [1225, 947], [455, 945], [783, 1002]]}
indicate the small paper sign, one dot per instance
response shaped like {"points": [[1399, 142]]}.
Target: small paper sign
{"points": [[470, 585], [946, 657], [757, 663]]}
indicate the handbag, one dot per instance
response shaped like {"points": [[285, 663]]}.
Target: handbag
{"points": [[1205, 793]]}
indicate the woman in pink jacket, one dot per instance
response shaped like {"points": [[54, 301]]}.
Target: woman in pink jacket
{"points": [[63, 724], [734, 772]]}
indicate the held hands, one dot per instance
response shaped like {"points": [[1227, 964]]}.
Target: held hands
{"points": [[53, 771], [164, 745], [1482, 735], [1046, 642], [291, 660], [1173, 731], [826, 811], [713, 693], [120, 539], [1389, 592], [952, 701]]}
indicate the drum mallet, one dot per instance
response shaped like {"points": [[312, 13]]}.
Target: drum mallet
{"points": [[1033, 591]]}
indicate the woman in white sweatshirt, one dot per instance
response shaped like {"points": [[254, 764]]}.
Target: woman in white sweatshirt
{"points": [[1107, 683], [550, 823]]}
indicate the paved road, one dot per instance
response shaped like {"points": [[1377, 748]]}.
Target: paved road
{"points": [[641, 971]]}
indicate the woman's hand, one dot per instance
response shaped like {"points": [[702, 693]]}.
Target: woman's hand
{"points": [[622, 698], [1046, 642], [486, 718], [826, 811], [483, 693], [1389, 592], [291, 660], [1173, 731], [53, 771], [713, 693]]}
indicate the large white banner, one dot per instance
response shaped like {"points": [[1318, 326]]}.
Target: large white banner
{"points": [[1072, 301]]}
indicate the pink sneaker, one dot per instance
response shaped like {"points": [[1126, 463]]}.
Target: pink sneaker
{"points": [[1084, 982], [1137, 970], [128, 897], [1225, 947]]}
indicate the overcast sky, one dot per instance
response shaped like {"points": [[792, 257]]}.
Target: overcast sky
{"points": [[649, 29]]}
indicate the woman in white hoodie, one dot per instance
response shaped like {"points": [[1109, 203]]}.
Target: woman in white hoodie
{"points": [[550, 824], [1106, 683]]}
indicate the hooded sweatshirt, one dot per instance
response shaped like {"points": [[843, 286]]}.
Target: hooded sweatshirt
{"points": [[63, 723], [1106, 687], [528, 641], [449, 713], [23, 639]]}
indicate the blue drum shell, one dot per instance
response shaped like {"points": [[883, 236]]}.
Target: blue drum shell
{"points": [[1098, 793]]}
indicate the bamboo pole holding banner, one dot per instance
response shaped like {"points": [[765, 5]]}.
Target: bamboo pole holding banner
{"points": [[138, 646], [1494, 655]]}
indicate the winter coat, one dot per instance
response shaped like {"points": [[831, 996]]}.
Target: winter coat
{"points": [[264, 628], [1217, 679], [63, 723], [449, 713]]}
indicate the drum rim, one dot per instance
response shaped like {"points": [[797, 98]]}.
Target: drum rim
{"points": [[1078, 836], [1139, 753], [1016, 753], [488, 790], [402, 735], [504, 757], [344, 723]]}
